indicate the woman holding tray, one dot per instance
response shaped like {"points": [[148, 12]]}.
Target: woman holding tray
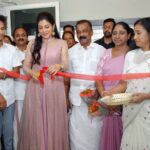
{"points": [[112, 63]]}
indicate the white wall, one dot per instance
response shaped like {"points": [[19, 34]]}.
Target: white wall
{"points": [[1, 11], [72, 10]]}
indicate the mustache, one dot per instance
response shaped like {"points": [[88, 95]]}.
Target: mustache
{"points": [[107, 32], [21, 40], [82, 37]]}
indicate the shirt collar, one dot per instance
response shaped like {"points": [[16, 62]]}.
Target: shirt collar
{"points": [[4, 45], [17, 48], [90, 46]]}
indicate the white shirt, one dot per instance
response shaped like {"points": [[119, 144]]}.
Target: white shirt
{"points": [[20, 85], [83, 61], [8, 60]]}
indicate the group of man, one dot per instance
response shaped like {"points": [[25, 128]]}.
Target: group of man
{"points": [[11, 91]]}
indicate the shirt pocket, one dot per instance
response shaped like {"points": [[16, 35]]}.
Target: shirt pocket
{"points": [[76, 65], [93, 65]]}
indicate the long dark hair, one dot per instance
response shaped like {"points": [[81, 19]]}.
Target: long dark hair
{"points": [[38, 39]]}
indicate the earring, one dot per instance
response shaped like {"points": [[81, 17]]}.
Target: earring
{"points": [[38, 35], [53, 33]]}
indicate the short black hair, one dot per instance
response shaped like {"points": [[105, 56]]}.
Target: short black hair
{"points": [[3, 19], [84, 21], [13, 34], [68, 26], [109, 20]]}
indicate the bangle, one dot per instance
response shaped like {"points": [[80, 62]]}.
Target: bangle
{"points": [[61, 67]]}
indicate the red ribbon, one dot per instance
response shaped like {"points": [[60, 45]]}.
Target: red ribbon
{"points": [[42, 71], [106, 78], [14, 74], [79, 76]]}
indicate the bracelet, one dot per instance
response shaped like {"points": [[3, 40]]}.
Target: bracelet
{"points": [[61, 66]]}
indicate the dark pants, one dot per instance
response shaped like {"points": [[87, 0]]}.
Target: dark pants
{"points": [[6, 127]]}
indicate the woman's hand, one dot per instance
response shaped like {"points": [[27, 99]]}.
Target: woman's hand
{"points": [[53, 69], [139, 97], [106, 93], [34, 75]]}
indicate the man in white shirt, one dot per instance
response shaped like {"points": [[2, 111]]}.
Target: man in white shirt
{"points": [[20, 39], [8, 60], [84, 131]]}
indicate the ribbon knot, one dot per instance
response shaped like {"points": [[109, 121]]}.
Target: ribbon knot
{"points": [[42, 71]]}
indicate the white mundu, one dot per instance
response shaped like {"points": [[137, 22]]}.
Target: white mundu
{"points": [[84, 132], [20, 86]]}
